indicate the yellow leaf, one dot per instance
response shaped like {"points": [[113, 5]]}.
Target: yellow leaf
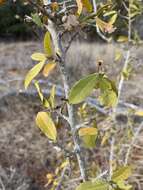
{"points": [[122, 39], [2, 1], [97, 185], [113, 19], [64, 164], [33, 73], [122, 173], [104, 26], [48, 45], [38, 56], [42, 98], [52, 96], [105, 138], [48, 68], [87, 131], [139, 113], [54, 6], [89, 136], [80, 6], [46, 124], [118, 55], [83, 3], [87, 5], [39, 90]]}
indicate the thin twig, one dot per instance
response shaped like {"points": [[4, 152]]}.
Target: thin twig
{"points": [[62, 177], [70, 41], [132, 143], [2, 185], [94, 5], [102, 35], [121, 83], [111, 158], [41, 9], [101, 175]]}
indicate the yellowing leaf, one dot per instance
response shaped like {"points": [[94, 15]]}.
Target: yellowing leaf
{"points": [[139, 113], [113, 19], [38, 56], [108, 98], [87, 131], [109, 93], [39, 90], [109, 13], [105, 138], [54, 6], [122, 185], [46, 124], [87, 5], [122, 39], [104, 26], [64, 164], [97, 185], [48, 68], [83, 3], [88, 136], [80, 6], [48, 45], [122, 173], [42, 98], [33, 73], [118, 55], [82, 88]]}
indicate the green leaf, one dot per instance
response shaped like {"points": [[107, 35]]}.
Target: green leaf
{"points": [[108, 98], [52, 96], [122, 39], [38, 56], [46, 124], [122, 173], [83, 88], [109, 93], [33, 73], [36, 19], [97, 185], [48, 45]]}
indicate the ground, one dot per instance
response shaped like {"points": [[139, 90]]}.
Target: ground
{"points": [[23, 149]]}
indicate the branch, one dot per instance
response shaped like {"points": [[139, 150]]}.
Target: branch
{"points": [[42, 10], [132, 143], [62, 177], [94, 5], [71, 112], [121, 83], [2, 185], [111, 157]]}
